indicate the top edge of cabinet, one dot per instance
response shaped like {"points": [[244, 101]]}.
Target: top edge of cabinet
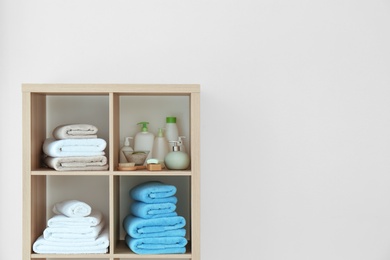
{"points": [[111, 88]]}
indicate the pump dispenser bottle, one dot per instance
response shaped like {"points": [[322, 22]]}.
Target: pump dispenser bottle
{"points": [[126, 148], [143, 141], [176, 159], [160, 147], [171, 131]]}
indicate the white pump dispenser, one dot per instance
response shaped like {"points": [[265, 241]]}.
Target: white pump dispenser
{"points": [[143, 141], [126, 148]]}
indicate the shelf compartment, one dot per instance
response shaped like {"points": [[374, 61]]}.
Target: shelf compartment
{"points": [[48, 190], [132, 109], [50, 111], [124, 184]]}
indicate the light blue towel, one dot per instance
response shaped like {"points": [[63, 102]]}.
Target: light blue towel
{"points": [[157, 245], [154, 227], [154, 192], [153, 210]]}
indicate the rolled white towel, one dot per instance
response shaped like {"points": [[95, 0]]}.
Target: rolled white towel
{"points": [[93, 219], [73, 131], [72, 208]]}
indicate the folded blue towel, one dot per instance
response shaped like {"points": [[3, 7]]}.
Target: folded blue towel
{"points": [[154, 192], [154, 227], [157, 245], [153, 210]]}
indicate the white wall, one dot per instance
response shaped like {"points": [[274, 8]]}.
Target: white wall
{"points": [[295, 110]]}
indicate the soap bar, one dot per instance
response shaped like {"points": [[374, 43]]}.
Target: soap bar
{"points": [[153, 167], [152, 160]]}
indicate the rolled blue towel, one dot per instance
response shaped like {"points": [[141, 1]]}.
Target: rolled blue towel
{"points": [[157, 245], [154, 192], [154, 227], [153, 210]]}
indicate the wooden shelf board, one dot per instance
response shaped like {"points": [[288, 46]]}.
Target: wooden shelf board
{"points": [[152, 173], [155, 89], [50, 172], [121, 251]]}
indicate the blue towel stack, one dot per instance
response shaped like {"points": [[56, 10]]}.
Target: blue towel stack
{"points": [[153, 227]]}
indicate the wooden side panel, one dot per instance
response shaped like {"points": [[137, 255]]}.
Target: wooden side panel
{"points": [[34, 187], [38, 183], [114, 180], [115, 222], [195, 179], [26, 177], [38, 206], [38, 128], [114, 131]]}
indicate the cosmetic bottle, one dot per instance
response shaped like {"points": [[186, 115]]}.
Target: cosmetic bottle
{"points": [[176, 159], [160, 147], [171, 130], [143, 141], [126, 149]]}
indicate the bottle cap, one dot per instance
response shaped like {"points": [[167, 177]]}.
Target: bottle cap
{"points": [[160, 132], [171, 119], [175, 148], [144, 126]]}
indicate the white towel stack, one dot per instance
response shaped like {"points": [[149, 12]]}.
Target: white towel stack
{"points": [[75, 147], [76, 229]]}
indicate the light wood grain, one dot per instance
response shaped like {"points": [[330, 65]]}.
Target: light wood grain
{"points": [[35, 176]]}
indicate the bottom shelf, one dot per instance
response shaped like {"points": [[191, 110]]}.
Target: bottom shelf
{"points": [[122, 251]]}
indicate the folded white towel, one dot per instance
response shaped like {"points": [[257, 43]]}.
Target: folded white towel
{"points": [[100, 245], [93, 219], [60, 233], [75, 131], [72, 208], [80, 163], [74, 147]]}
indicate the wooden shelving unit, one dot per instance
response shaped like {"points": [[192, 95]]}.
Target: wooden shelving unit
{"points": [[110, 106]]}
